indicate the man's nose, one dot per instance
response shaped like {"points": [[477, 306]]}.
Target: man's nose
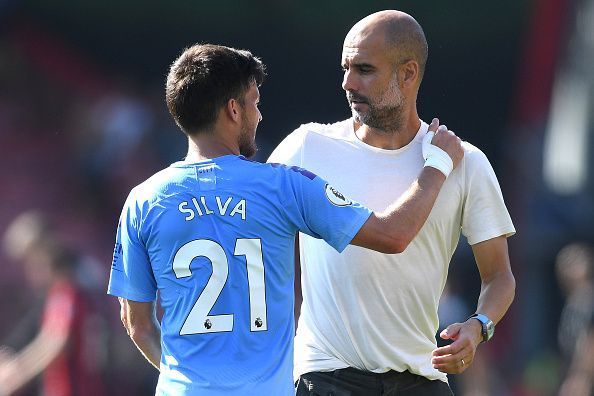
{"points": [[349, 82]]}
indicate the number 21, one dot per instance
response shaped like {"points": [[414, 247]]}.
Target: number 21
{"points": [[198, 320]]}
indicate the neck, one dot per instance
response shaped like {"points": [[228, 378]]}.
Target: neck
{"points": [[208, 145], [392, 139]]}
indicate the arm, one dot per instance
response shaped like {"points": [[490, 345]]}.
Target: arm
{"points": [[18, 370], [392, 230], [497, 293], [142, 326]]}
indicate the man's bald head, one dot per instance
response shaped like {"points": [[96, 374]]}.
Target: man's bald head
{"points": [[403, 36]]}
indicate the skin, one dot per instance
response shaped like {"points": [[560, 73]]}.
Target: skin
{"points": [[141, 324], [379, 80], [375, 79], [234, 133]]}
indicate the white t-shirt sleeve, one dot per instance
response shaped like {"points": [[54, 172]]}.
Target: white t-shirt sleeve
{"points": [[484, 215]]}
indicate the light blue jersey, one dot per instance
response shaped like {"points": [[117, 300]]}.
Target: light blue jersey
{"points": [[216, 240]]}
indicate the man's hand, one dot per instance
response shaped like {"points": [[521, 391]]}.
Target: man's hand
{"points": [[458, 356], [442, 149]]}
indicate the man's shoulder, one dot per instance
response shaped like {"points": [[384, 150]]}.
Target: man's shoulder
{"points": [[474, 156], [337, 130], [313, 134], [163, 182]]}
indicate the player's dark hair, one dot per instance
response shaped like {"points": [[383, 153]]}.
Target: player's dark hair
{"points": [[204, 78]]}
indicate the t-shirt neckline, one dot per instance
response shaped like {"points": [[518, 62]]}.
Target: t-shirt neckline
{"points": [[419, 135]]}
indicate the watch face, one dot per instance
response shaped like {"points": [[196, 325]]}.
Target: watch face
{"points": [[490, 330], [488, 327]]}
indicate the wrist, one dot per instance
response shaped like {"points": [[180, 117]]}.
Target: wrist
{"points": [[487, 326], [440, 160], [436, 157], [431, 177], [477, 330]]}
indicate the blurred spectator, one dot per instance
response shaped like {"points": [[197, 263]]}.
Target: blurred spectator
{"points": [[66, 348], [575, 271], [113, 129]]}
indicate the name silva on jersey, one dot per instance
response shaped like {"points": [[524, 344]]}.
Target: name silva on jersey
{"points": [[198, 206]]}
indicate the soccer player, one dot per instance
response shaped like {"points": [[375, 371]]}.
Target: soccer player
{"points": [[214, 235], [368, 320]]}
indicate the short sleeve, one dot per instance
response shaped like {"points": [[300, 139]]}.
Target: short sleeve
{"points": [[484, 215], [131, 274], [324, 212]]}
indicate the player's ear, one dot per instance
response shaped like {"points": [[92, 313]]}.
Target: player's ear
{"points": [[233, 110]]}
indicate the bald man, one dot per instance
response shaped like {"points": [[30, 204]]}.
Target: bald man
{"points": [[370, 329]]}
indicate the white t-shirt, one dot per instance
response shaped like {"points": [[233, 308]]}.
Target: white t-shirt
{"points": [[374, 311]]}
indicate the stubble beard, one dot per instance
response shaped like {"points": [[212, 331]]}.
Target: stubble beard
{"points": [[247, 141], [387, 115]]}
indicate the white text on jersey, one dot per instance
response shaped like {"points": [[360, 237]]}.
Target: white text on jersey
{"points": [[199, 206]]}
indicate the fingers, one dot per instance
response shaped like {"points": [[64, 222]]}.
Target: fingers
{"points": [[451, 332], [456, 357], [434, 124], [453, 359], [450, 143]]}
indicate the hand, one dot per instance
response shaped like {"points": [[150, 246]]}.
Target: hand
{"points": [[441, 137], [458, 356]]}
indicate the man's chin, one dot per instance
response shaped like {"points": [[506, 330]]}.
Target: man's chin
{"points": [[358, 117]]}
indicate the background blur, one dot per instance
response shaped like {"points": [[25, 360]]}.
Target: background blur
{"points": [[83, 120]]}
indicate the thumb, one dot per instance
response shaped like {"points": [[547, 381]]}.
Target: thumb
{"points": [[434, 124], [451, 332], [428, 136], [426, 143]]}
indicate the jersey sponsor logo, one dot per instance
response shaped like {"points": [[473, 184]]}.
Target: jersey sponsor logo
{"points": [[336, 197]]}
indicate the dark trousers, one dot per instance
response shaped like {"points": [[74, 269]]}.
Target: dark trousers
{"points": [[353, 382]]}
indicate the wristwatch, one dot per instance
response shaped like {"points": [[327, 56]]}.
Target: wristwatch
{"points": [[487, 326]]}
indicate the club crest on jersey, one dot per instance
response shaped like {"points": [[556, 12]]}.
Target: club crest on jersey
{"points": [[336, 197]]}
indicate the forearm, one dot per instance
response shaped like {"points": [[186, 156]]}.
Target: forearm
{"points": [[497, 294], [404, 218], [141, 324], [31, 361], [392, 230], [148, 342]]}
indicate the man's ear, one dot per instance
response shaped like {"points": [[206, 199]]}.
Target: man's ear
{"points": [[408, 74], [233, 110]]}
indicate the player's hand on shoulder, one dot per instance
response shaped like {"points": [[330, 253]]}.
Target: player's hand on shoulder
{"points": [[458, 356], [447, 141]]}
